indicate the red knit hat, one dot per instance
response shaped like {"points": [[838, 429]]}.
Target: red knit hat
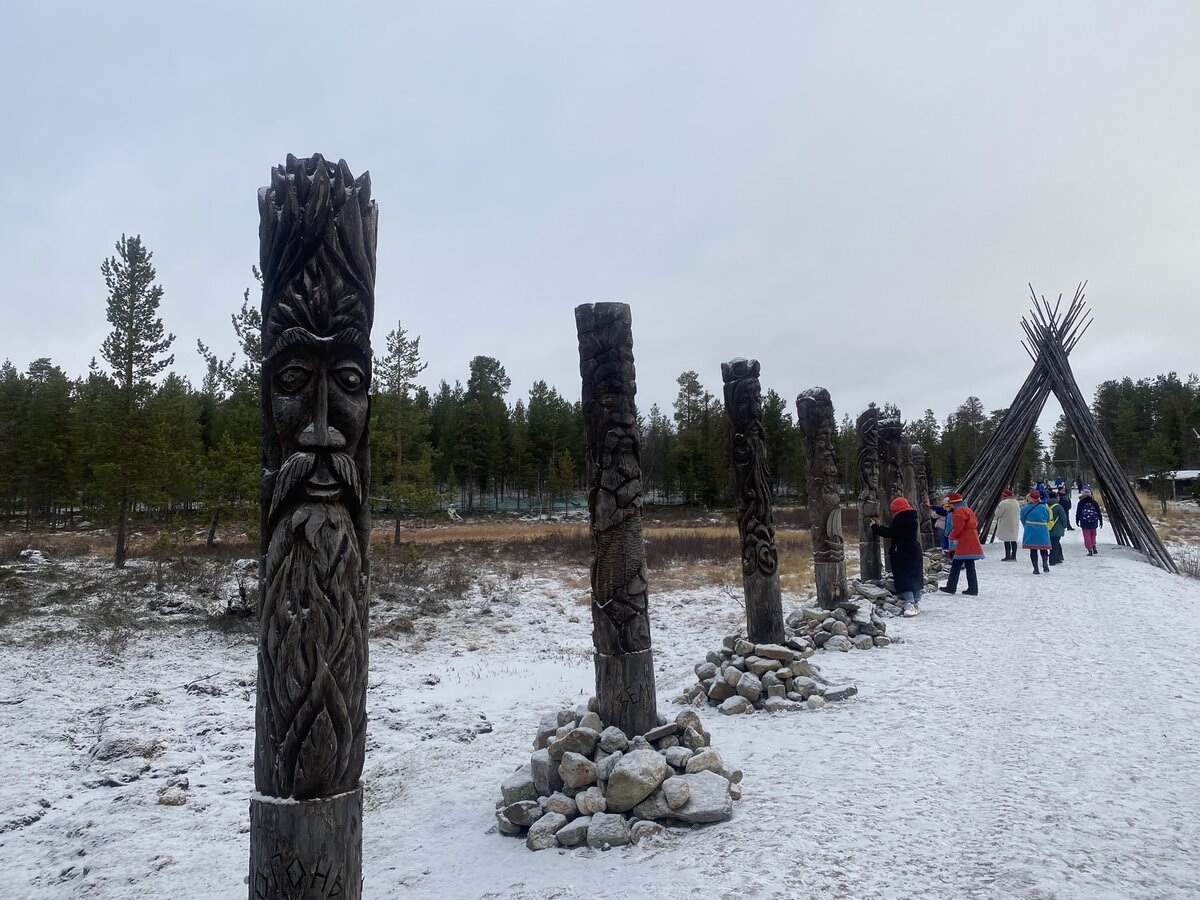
{"points": [[1035, 496], [900, 505], [955, 498], [1007, 492]]}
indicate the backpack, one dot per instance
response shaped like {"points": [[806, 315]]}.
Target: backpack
{"points": [[1089, 515]]}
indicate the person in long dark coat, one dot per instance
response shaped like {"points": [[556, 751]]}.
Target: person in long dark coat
{"points": [[906, 556]]}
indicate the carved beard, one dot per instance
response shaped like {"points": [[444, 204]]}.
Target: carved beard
{"points": [[313, 656]]}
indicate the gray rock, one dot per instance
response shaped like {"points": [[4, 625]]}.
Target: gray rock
{"points": [[677, 757], [805, 686], [644, 829], [693, 738], [735, 706], [714, 657], [542, 833], [660, 732], [561, 803], [639, 743], [591, 801], [708, 801], [524, 813], [577, 740], [608, 829], [871, 592], [689, 718], [749, 686], [605, 766], [863, 642], [574, 833], [841, 692], [519, 786], [592, 720], [675, 792], [566, 717], [576, 770], [671, 740], [705, 670], [707, 760], [774, 651], [839, 628], [770, 679], [815, 614], [546, 779], [852, 629], [882, 640], [780, 704], [635, 777], [720, 690], [776, 691], [731, 674], [816, 701], [738, 662], [837, 642], [613, 739], [505, 826], [743, 647], [545, 733], [760, 666]]}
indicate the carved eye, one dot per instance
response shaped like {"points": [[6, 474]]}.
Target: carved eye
{"points": [[349, 376], [292, 378]]}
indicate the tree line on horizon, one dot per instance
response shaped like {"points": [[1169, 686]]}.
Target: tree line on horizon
{"points": [[133, 438]]}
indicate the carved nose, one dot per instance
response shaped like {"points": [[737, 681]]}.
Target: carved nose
{"points": [[320, 435]]}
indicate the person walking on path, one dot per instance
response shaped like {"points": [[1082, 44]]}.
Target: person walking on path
{"points": [[1058, 527], [1008, 524], [1035, 516], [1088, 518], [964, 535], [1064, 500], [939, 524], [906, 556]]}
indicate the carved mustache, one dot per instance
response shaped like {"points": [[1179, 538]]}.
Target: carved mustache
{"points": [[297, 468]]}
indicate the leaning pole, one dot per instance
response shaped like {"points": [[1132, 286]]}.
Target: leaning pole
{"points": [[317, 243], [752, 488], [814, 417], [620, 618]]}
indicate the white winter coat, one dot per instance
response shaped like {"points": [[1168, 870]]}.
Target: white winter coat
{"points": [[1008, 520]]}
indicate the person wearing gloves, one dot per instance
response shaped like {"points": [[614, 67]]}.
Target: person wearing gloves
{"points": [[1088, 518], [1035, 516], [906, 557], [1008, 524], [964, 535]]}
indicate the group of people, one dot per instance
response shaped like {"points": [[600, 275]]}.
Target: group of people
{"points": [[1038, 524]]}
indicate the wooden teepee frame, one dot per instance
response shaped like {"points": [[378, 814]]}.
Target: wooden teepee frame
{"points": [[1051, 338]]}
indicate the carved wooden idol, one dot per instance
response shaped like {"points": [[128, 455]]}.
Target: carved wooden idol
{"points": [[921, 469], [869, 564], [891, 433], [317, 242], [752, 488], [620, 618], [814, 416]]}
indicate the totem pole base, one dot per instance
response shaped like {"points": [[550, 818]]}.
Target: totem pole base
{"points": [[306, 849], [764, 609], [869, 566], [831, 584], [625, 690]]}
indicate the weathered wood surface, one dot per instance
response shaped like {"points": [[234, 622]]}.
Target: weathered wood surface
{"points": [[308, 849], [870, 566], [814, 416], [620, 614], [752, 492], [920, 462], [317, 241], [891, 437]]}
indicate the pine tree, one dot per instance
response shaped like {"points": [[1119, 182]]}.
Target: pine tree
{"points": [[394, 377], [134, 350]]}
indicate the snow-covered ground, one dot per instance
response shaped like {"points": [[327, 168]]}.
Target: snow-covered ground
{"points": [[1040, 740]]}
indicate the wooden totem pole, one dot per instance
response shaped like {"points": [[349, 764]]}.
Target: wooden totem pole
{"points": [[891, 433], [869, 564], [620, 617], [814, 416], [317, 241], [752, 488], [920, 464]]}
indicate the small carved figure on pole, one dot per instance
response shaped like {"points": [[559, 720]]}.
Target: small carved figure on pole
{"points": [[891, 433], [869, 564], [620, 618], [752, 488], [920, 463], [814, 416], [317, 241]]}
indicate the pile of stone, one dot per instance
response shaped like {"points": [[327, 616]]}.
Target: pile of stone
{"points": [[855, 624], [743, 677], [587, 784], [883, 594]]}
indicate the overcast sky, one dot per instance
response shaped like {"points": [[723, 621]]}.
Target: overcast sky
{"points": [[856, 194]]}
